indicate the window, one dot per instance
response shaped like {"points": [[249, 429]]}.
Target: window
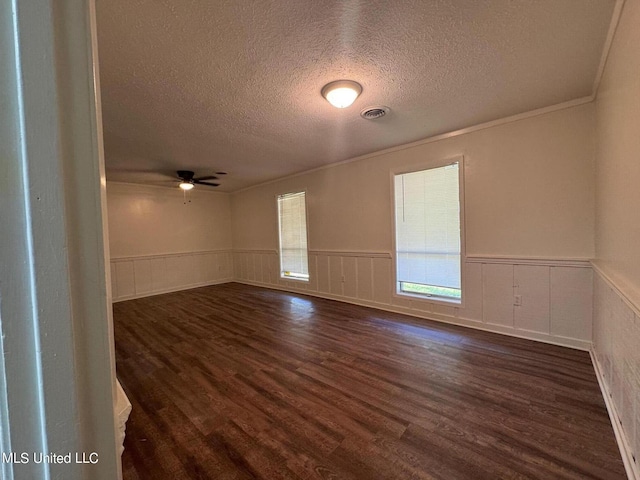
{"points": [[428, 233], [292, 218]]}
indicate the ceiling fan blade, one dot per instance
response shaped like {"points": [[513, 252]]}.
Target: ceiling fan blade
{"points": [[206, 183], [210, 177], [186, 175]]}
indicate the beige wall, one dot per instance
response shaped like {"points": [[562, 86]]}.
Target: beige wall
{"points": [[618, 156], [160, 244], [617, 273], [529, 192], [146, 220]]}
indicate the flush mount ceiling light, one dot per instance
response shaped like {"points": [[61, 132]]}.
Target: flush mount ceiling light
{"points": [[341, 93]]}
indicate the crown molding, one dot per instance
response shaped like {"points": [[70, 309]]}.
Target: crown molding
{"points": [[613, 26]]}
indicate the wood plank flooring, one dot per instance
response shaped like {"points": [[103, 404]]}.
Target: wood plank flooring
{"points": [[239, 382]]}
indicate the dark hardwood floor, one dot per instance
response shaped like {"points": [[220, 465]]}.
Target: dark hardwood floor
{"points": [[238, 382]]}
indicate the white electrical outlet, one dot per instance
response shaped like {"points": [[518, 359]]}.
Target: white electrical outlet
{"points": [[517, 300]]}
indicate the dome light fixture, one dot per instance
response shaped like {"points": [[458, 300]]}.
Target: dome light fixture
{"points": [[341, 93], [186, 185]]}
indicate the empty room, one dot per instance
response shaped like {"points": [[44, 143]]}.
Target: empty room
{"points": [[327, 240]]}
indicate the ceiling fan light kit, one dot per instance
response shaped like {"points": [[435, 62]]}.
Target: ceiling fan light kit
{"points": [[188, 180]]}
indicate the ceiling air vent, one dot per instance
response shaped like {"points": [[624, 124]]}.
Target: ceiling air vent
{"points": [[372, 113]]}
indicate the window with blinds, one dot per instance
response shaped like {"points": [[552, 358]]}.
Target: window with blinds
{"points": [[427, 209], [292, 219]]}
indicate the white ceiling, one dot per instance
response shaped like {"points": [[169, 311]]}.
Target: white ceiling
{"points": [[234, 85]]}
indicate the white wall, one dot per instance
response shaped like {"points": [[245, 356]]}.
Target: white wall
{"points": [[57, 367], [159, 243], [529, 188], [617, 290]]}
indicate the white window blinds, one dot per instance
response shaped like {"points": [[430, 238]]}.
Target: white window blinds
{"points": [[292, 217], [428, 231]]}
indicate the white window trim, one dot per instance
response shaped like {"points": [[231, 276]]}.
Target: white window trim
{"points": [[428, 165], [279, 247]]}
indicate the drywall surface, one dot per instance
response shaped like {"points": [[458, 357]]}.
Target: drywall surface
{"points": [[161, 244], [618, 157], [529, 188], [147, 220], [617, 287]]}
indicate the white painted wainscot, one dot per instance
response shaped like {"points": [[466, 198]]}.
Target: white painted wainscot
{"points": [[142, 276], [616, 357], [556, 293], [122, 412]]}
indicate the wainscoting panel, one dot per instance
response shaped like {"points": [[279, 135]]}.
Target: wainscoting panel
{"points": [[335, 275], [616, 355], [364, 269], [350, 277], [531, 283], [142, 276], [556, 294], [180, 271], [274, 266], [135, 277], [323, 274], [313, 273], [160, 281], [497, 294], [571, 312], [443, 310], [249, 267], [382, 286], [123, 282], [473, 304]]}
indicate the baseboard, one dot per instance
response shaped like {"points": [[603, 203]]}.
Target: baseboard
{"points": [[625, 450], [171, 290], [462, 322]]}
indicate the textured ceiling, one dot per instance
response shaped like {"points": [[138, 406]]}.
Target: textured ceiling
{"points": [[235, 85]]}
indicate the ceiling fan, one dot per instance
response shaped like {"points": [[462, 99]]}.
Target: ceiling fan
{"points": [[187, 180]]}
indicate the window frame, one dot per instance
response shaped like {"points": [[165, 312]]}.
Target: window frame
{"points": [[279, 249], [418, 167]]}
